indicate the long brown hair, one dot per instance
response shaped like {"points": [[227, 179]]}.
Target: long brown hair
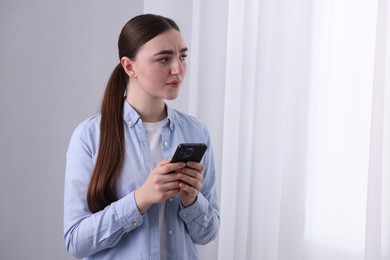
{"points": [[103, 183]]}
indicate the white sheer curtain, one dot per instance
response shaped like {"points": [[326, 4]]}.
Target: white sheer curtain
{"points": [[265, 128], [296, 96], [378, 201]]}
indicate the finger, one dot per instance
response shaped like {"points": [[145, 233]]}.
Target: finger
{"points": [[196, 166], [167, 190], [192, 173], [190, 190], [193, 182], [163, 162], [164, 168], [167, 178], [169, 186]]}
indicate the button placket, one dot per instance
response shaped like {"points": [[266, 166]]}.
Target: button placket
{"points": [[166, 141]]}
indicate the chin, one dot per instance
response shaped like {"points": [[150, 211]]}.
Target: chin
{"points": [[172, 96]]}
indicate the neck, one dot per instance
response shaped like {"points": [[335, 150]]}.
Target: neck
{"points": [[149, 110]]}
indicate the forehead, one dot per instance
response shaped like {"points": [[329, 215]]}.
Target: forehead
{"points": [[169, 40]]}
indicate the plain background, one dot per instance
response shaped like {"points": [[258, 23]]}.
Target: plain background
{"points": [[55, 59]]}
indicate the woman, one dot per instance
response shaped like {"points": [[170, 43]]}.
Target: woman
{"points": [[123, 197]]}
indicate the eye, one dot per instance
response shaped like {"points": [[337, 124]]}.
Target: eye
{"points": [[163, 60], [183, 56]]}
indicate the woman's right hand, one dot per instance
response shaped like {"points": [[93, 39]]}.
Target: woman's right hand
{"points": [[159, 186]]}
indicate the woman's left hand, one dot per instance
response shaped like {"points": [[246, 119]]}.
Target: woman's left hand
{"points": [[191, 182]]}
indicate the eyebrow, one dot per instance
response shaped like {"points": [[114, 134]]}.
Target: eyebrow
{"points": [[170, 52]]}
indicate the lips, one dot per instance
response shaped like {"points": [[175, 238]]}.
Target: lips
{"points": [[174, 83]]}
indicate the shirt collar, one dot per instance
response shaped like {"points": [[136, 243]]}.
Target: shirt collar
{"points": [[171, 117], [131, 117]]}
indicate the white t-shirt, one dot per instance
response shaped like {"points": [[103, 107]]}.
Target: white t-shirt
{"points": [[153, 133]]}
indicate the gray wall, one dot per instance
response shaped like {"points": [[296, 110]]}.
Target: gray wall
{"points": [[55, 58]]}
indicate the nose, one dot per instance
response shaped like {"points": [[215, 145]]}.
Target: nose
{"points": [[178, 67]]}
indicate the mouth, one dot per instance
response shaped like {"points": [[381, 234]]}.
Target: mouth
{"points": [[174, 83]]}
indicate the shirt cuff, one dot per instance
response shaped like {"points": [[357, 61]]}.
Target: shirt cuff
{"points": [[198, 208], [127, 212]]}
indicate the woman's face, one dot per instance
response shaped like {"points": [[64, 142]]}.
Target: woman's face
{"points": [[160, 65]]}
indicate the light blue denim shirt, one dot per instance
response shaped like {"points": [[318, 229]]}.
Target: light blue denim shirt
{"points": [[120, 231]]}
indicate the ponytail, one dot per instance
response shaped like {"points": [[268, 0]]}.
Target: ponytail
{"points": [[102, 186]]}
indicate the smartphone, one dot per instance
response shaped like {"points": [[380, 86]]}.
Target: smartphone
{"points": [[189, 152]]}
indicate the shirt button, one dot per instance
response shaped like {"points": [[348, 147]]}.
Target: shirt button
{"points": [[130, 123], [134, 224], [170, 199], [184, 215], [165, 143], [170, 232]]}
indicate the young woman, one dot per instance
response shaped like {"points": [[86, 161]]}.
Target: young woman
{"points": [[123, 198]]}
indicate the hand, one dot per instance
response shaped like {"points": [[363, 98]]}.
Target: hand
{"points": [[191, 182], [160, 185]]}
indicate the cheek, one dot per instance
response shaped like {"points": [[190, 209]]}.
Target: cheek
{"points": [[153, 73]]}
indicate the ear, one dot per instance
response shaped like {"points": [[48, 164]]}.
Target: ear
{"points": [[128, 66]]}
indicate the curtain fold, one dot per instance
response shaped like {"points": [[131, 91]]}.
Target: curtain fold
{"points": [[378, 197], [239, 100]]}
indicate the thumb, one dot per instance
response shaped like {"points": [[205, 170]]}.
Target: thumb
{"points": [[163, 162]]}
